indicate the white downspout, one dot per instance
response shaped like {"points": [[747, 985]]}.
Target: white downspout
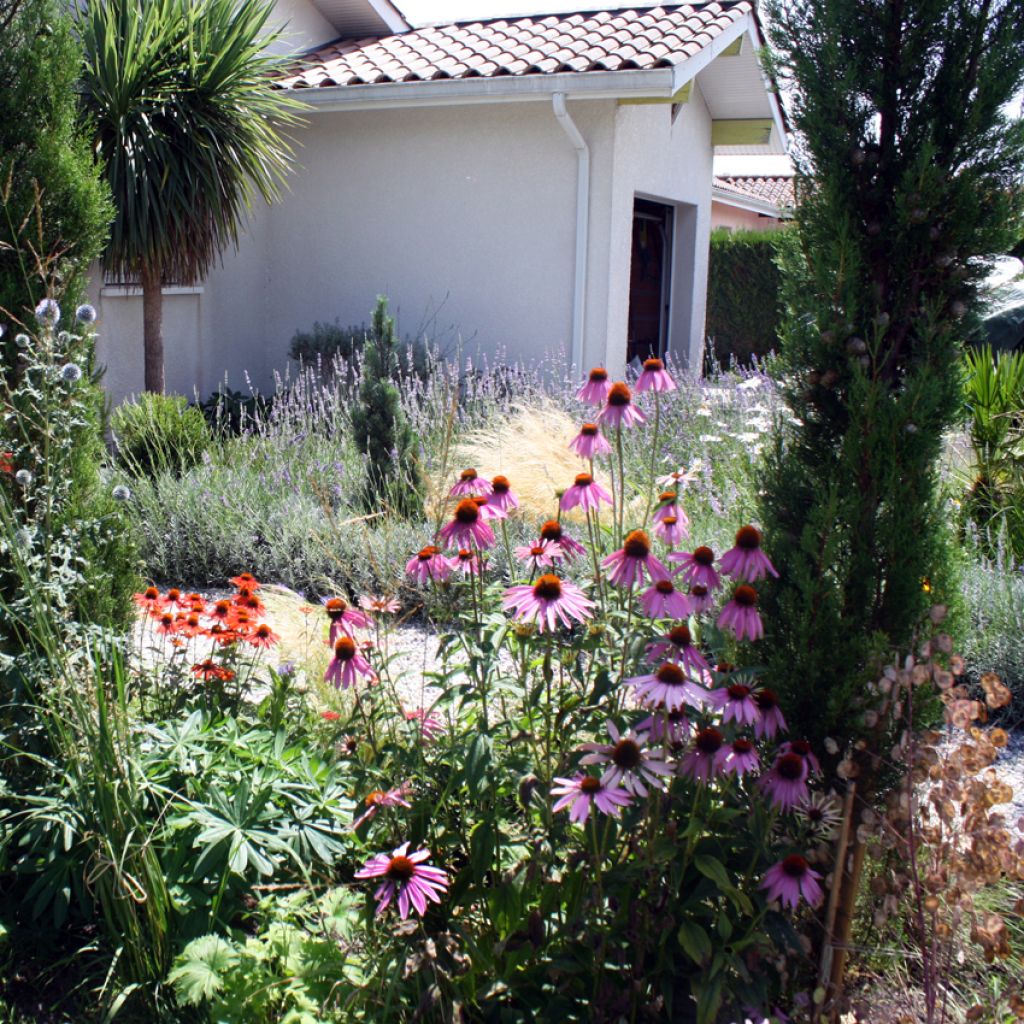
{"points": [[582, 224]]}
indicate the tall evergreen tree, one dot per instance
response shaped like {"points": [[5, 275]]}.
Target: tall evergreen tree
{"points": [[909, 169]]}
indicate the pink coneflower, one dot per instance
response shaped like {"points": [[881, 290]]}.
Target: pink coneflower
{"points": [[630, 765], [746, 561], [466, 561], [580, 792], [383, 798], [771, 721], [698, 567], [678, 646], [668, 687], [742, 759], [373, 603], [804, 750], [708, 756], [468, 526], [347, 664], [791, 879], [344, 618], [672, 727], [654, 377], [548, 602], [590, 442], [431, 725], [502, 497], [471, 484], [682, 477], [407, 877], [539, 555], [596, 389], [628, 565], [552, 531], [429, 564], [740, 614], [672, 530], [620, 410], [786, 783], [666, 505], [736, 703], [701, 599], [663, 601], [585, 492]]}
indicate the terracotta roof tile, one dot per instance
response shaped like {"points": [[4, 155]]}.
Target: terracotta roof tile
{"points": [[600, 41], [774, 189]]}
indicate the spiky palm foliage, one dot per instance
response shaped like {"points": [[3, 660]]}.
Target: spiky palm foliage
{"points": [[188, 131]]}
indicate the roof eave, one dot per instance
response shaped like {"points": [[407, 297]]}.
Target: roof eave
{"points": [[721, 195]]}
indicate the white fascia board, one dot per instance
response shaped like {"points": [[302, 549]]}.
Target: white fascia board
{"points": [[595, 85], [390, 15], [721, 195]]}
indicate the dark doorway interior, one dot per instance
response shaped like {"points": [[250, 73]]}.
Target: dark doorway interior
{"points": [[650, 275]]}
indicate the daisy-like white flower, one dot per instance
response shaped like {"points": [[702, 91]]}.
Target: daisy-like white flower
{"points": [[707, 757], [620, 411], [629, 764], [746, 560], [579, 793], [823, 814], [552, 531], [633, 560], [470, 485], [668, 687], [548, 602], [586, 493], [379, 798], [468, 526], [805, 750], [654, 377], [347, 665], [682, 477], [373, 603], [466, 561], [740, 614], [771, 721], [701, 599], [663, 601], [791, 880], [539, 555], [677, 645], [590, 442], [406, 877], [596, 389], [786, 783], [698, 567], [429, 564], [672, 530], [742, 759], [344, 618], [737, 704], [502, 497]]}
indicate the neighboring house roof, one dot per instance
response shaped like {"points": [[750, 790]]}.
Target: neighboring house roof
{"points": [[761, 192], [619, 40]]}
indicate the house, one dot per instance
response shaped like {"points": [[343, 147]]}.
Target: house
{"points": [[752, 202], [525, 186]]}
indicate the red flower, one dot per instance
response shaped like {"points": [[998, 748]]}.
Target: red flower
{"points": [[209, 669], [7, 463]]}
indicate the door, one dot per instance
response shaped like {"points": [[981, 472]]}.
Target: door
{"points": [[650, 276]]}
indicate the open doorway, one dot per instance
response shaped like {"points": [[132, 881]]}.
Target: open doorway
{"points": [[650, 280]]}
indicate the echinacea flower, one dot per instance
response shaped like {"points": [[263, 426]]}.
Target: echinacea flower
{"points": [[670, 727], [149, 599], [740, 614], [405, 877], [672, 530], [471, 484], [792, 879], [668, 687], [596, 389], [746, 560], [707, 757], [742, 759], [466, 561], [822, 813], [262, 636], [343, 618], [786, 782], [245, 579], [468, 526], [539, 555], [347, 665], [502, 497], [379, 798], [629, 764], [663, 601], [552, 531], [373, 603], [431, 725], [548, 602], [586, 493], [629, 564], [681, 477], [771, 721], [209, 669], [428, 564], [804, 749], [700, 599], [737, 704], [668, 505], [698, 567], [168, 624], [654, 377], [579, 793], [590, 442], [620, 410]]}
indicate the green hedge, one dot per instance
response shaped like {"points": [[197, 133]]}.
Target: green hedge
{"points": [[743, 295]]}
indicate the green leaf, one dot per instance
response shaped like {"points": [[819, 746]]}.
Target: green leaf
{"points": [[695, 942], [201, 968], [714, 869]]}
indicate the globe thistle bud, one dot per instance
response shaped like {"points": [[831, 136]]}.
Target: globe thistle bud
{"points": [[71, 373], [85, 314], [23, 537], [121, 494], [23, 478], [48, 313], [21, 340]]}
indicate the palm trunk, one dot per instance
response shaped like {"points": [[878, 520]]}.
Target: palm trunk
{"points": [[153, 328]]}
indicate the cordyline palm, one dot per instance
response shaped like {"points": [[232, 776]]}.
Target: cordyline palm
{"points": [[186, 128]]}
